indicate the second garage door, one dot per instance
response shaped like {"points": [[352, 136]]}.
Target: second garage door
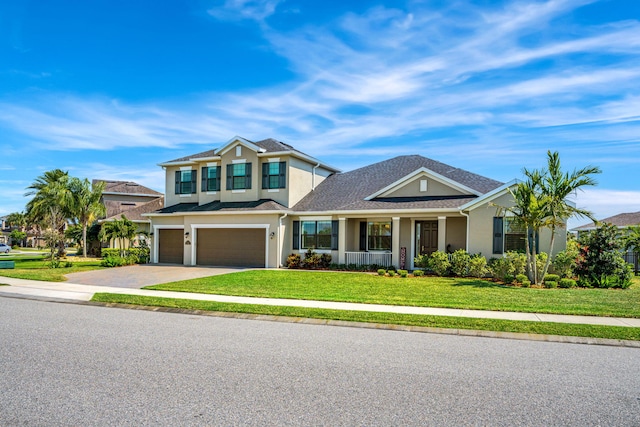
{"points": [[233, 247]]}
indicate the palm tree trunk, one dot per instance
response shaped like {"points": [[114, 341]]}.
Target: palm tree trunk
{"points": [[553, 238], [84, 240]]}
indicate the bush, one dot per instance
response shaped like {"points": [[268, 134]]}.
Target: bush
{"points": [[460, 261], [391, 273], [439, 263], [293, 261], [565, 261], [382, 272], [526, 283], [500, 268], [567, 283], [403, 273], [138, 255], [518, 262], [521, 278], [418, 273], [421, 261], [552, 277], [117, 261], [550, 284], [508, 279], [541, 260], [478, 266]]}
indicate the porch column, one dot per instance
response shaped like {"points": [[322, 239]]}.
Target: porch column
{"points": [[342, 239], [395, 241], [442, 233]]}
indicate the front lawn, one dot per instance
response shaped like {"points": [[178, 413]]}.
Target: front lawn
{"points": [[422, 292], [38, 269]]}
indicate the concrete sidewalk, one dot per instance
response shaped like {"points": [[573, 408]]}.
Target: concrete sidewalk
{"points": [[76, 292]]}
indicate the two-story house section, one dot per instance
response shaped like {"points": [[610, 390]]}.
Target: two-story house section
{"points": [[228, 206], [254, 203]]}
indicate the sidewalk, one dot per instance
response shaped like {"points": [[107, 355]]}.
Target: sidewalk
{"points": [[75, 292]]}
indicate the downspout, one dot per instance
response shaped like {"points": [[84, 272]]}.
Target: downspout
{"points": [[280, 239], [313, 177], [467, 236]]}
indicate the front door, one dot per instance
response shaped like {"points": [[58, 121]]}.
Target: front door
{"points": [[426, 237]]}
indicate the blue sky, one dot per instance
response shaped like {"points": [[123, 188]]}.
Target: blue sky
{"points": [[107, 88]]}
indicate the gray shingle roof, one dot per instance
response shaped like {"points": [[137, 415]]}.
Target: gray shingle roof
{"points": [[257, 205], [126, 187], [135, 213], [620, 220], [347, 191]]}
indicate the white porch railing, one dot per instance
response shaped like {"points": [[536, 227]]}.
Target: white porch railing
{"points": [[368, 258]]}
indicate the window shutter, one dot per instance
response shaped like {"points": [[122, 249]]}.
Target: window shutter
{"points": [[498, 241], [178, 175], [194, 181], [204, 179], [363, 236], [218, 178], [229, 177], [296, 235], [334, 235], [282, 179], [247, 174], [265, 176]]}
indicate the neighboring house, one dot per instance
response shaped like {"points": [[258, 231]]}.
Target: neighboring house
{"points": [[131, 200], [253, 203], [5, 230], [623, 220]]}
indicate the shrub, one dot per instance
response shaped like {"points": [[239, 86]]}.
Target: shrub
{"points": [[68, 264], [478, 266], [552, 277], [391, 273], [439, 263], [113, 261], [460, 261], [403, 273], [526, 283], [549, 284], [521, 278], [500, 268], [293, 261], [567, 283], [382, 272], [421, 261], [138, 255], [325, 260], [418, 273], [508, 279], [541, 260], [565, 261], [518, 262]]}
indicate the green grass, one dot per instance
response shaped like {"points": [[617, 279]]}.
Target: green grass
{"points": [[422, 292], [594, 331], [38, 269]]}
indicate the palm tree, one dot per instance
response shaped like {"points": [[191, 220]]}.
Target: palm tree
{"points": [[556, 187], [121, 230], [86, 205], [51, 201], [18, 219]]}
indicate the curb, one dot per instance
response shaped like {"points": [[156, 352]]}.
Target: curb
{"points": [[349, 324]]}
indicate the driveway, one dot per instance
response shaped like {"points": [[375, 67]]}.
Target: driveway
{"points": [[138, 276]]}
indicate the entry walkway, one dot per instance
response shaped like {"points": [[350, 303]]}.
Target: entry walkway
{"points": [[77, 292]]}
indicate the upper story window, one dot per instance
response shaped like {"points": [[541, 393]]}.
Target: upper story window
{"points": [[239, 176], [379, 236], [186, 181], [274, 175], [211, 178]]}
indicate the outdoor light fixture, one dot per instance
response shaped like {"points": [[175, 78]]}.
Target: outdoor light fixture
{"points": [[186, 234], [273, 233]]}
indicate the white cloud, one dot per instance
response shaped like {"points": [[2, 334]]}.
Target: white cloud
{"points": [[257, 10], [604, 203]]}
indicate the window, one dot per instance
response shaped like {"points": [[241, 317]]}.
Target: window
{"points": [[239, 176], [211, 178], [508, 235], [274, 175], [315, 235], [186, 181], [379, 236]]}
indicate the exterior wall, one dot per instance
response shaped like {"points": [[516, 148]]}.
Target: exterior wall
{"points": [[249, 156], [302, 178], [205, 197], [456, 233], [280, 195], [434, 188], [171, 198]]}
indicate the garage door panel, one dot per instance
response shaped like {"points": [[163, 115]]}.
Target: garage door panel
{"points": [[234, 247], [170, 246]]}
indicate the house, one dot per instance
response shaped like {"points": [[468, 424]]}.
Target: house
{"points": [[131, 200], [5, 230], [623, 220], [253, 203]]}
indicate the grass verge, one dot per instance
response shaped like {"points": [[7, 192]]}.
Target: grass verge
{"points": [[39, 269], [420, 291], [592, 331]]}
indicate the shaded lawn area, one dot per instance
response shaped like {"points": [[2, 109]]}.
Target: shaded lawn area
{"points": [[39, 269], [420, 291], [595, 331]]}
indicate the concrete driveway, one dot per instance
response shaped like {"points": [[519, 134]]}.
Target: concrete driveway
{"points": [[138, 276]]}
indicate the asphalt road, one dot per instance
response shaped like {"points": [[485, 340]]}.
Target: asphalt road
{"points": [[63, 364]]}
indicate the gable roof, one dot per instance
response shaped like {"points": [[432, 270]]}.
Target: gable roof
{"points": [[126, 187], [135, 213], [350, 190], [621, 220], [264, 147]]}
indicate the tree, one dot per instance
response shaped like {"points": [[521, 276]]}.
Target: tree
{"points": [[556, 186], [600, 262], [51, 201], [122, 230], [85, 204], [632, 240], [17, 236], [19, 220]]}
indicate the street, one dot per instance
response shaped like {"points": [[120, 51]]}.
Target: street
{"points": [[66, 364]]}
